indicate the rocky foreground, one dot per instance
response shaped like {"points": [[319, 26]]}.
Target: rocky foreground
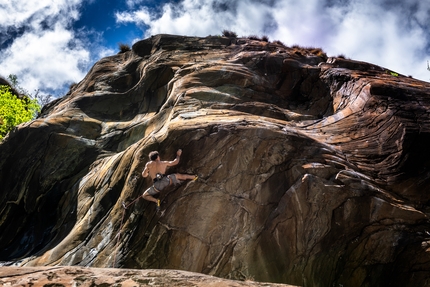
{"points": [[313, 170], [104, 277]]}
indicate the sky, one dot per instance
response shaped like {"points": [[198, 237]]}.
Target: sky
{"points": [[52, 44]]}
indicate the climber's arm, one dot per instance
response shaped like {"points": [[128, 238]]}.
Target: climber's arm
{"points": [[176, 160], [145, 172]]}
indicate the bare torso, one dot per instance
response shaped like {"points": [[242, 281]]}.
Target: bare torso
{"points": [[155, 167], [159, 166]]}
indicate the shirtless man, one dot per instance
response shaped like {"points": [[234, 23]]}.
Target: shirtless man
{"points": [[156, 169]]}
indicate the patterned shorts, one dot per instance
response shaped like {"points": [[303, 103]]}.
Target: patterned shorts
{"points": [[161, 184]]}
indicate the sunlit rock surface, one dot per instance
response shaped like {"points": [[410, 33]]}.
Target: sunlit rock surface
{"points": [[314, 171], [109, 277]]}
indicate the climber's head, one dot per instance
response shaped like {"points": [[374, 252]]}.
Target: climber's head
{"points": [[153, 155]]}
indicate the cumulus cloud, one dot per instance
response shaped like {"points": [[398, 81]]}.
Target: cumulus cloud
{"points": [[46, 59], [141, 16], [16, 13], [393, 34], [38, 45]]}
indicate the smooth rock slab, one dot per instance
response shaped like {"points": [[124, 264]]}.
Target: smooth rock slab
{"points": [[106, 277]]}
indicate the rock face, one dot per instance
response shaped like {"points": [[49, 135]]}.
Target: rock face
{"points": [[314, 171]]}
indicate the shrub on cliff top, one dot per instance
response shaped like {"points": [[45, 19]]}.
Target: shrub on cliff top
{"points": [[230, 34], [279, 43], [264, 38], [123, 48], [309, 50], [254, 37]]}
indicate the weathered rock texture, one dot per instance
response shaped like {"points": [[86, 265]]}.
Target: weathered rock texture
{"points": [[313, 171], [105, 277]]}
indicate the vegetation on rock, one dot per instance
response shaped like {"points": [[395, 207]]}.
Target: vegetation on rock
{"points": [[230, 34], [123, 48], [15, 110]]}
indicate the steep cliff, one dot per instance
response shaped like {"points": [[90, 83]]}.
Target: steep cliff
{"points": [[313, 171]]}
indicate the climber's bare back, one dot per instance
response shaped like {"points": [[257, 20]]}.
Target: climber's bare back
{"points": [[155, 167], [159, 166]]}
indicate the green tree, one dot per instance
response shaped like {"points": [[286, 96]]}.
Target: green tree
{"points": [[42, 99], [14, 110]]}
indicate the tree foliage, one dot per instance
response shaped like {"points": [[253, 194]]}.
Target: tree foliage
{"points": [[42, 99], [15, 110]]}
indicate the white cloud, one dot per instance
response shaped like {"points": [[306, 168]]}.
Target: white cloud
{"points": [[17, 12], [45, 60], [41, 49], [142, 16], [387, 33], [133, 3], [105, 52]]}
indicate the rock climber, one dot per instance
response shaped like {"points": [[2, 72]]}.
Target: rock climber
{"points": [[156, 169]]}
